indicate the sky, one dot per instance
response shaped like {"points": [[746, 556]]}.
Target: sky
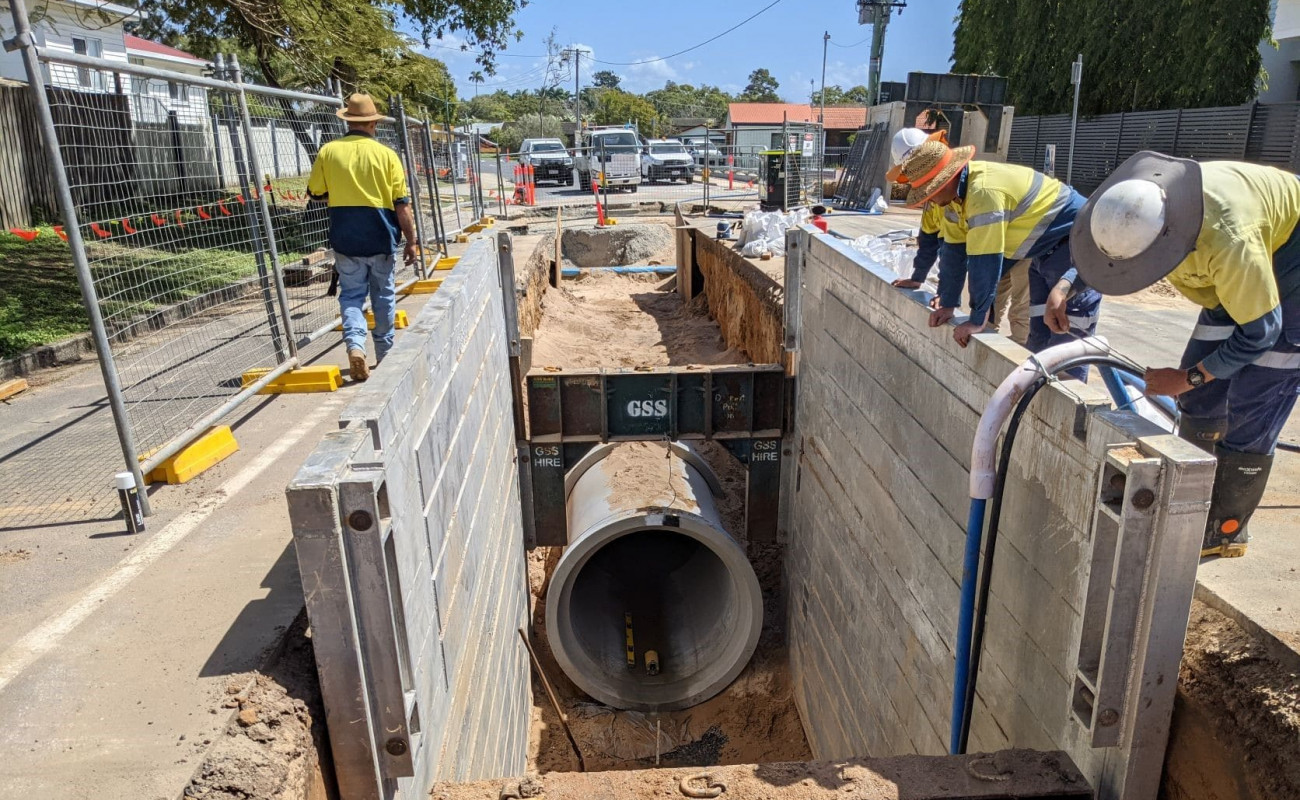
{"points": [[786, 39]]}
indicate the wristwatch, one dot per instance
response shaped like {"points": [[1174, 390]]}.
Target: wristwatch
{"points": [[1195, 377]]}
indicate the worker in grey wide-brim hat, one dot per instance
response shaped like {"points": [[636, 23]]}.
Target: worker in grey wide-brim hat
{"points": [[1225, 234]]}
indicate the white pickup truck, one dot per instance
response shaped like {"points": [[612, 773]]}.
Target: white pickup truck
{"points": [[609, 157], [666, 160]]}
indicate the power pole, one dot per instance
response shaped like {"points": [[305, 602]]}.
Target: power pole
{"points": [[826, 40], [577, 98], [876, 13], [1076, 77]]}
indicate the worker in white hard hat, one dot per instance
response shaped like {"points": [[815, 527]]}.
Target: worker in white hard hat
{"points": [[1011, 213], [1225, 234], [943, 229]]}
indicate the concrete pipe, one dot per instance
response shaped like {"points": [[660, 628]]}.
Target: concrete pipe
{"points": [[648, 551]]}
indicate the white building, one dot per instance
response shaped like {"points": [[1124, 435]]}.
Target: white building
{"points": [[95, 28], [1283, 62]]}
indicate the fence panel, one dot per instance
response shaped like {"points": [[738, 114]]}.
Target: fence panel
{"points": [[1275, 136], [209, 264]]}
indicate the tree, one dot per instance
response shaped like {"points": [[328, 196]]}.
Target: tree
{"points": [[301, 43], [476, 78], [685, 100], [617, 107], [835, 96], [761, 88], [1137, 56], [494, 107], [605, 79]]}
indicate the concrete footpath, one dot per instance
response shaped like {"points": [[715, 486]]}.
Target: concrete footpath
{"points": [[116, 651]]}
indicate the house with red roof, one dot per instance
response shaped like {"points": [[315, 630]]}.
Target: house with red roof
{"points": [[95, 28], [758, 125]]}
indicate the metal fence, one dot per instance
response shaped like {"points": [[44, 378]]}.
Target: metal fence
{"points": [[582, 178], [1258, 132], [200, 258]]}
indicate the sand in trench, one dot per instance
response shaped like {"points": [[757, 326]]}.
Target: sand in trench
{"points": [[606, 320]]}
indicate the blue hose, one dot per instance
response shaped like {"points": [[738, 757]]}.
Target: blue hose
{"points": [[966, 619], [1116, 388]]}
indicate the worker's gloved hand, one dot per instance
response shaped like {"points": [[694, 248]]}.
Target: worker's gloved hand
{"points": [[941, 316], [962, 333], [906, 283], [1056, 317], [1167, 382]]}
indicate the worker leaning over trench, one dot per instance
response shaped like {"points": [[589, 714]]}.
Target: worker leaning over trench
{"points": [[943, 237], [1225, 234], [1009, 212]]}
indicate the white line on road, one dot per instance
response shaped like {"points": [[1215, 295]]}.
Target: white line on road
{"points": [[47, 636]]}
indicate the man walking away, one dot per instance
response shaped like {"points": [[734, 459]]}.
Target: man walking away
{"points": [[1227, 236], [365, 185]]}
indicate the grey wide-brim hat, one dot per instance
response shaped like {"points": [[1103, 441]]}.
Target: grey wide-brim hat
{"points": [[1184, 212]]}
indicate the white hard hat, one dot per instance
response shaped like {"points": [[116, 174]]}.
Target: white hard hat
{"points": [[905, 141], [1128, 217]]}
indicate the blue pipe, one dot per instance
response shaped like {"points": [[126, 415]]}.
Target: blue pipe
{"points": [[1165, 404], [573, 272], [966, 618], [1116, 388]]}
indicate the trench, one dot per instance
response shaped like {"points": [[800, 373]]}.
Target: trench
{"points": [[601, 319]]}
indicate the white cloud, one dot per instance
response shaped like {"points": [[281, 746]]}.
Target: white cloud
{"points": [[650, 75]]}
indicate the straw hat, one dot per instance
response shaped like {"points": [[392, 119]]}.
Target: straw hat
{"points": [[929, 168], [905, 143], [1140, 224], [359, 108]]}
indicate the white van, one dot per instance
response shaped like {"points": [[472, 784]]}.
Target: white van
{"points": [[610, 157]]}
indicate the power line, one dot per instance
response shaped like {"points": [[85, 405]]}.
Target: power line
{"points": [[693, 47], [855, 44]]}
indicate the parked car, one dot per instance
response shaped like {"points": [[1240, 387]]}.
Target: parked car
{"points": [[610, 156], [705, 153], [665, 159], [549, 160]]}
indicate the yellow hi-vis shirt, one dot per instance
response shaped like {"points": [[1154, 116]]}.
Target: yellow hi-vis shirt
{"points": [[1250, 212], [364, 183], [945, 221], [1009, 208]]}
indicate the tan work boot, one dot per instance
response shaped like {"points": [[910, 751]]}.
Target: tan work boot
{"points": [[357, 365]]}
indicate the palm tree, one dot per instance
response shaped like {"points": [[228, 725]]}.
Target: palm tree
{"points": [[476, 77]]}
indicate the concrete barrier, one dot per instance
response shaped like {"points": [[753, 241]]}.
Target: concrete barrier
{"points": [[887, 410], [409, 537]]}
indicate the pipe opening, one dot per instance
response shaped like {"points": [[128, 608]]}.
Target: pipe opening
{"points": [[680, 599]]}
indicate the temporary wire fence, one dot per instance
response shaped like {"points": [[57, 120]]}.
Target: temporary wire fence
{"points": [[205, 265], [717, 167]]}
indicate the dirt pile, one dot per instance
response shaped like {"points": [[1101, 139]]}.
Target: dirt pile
{"points": [[271, 747], [1236, 728], [608, 320], [619, 245]]}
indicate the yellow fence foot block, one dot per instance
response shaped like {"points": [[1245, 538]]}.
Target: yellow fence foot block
{"points": [[426, 286], [462, 238], [204, 453], [10, 388], [299, 381], [400, 320], [481, 225], [447, 263]]}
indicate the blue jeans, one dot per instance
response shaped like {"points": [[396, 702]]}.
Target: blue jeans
{"points": [[1083, 308], [360, 276]]}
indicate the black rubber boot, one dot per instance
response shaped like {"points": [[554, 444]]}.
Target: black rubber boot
{"points": [[1203, 432], [1239, 483]]}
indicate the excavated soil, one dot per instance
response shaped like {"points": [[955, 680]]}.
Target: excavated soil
{"points": [[609, 320], [1236, 727], [605, 320], [273, 746]]}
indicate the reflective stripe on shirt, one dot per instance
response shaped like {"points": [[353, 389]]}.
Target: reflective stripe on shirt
{"points": [[1212, 333], [1276, 360]]}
